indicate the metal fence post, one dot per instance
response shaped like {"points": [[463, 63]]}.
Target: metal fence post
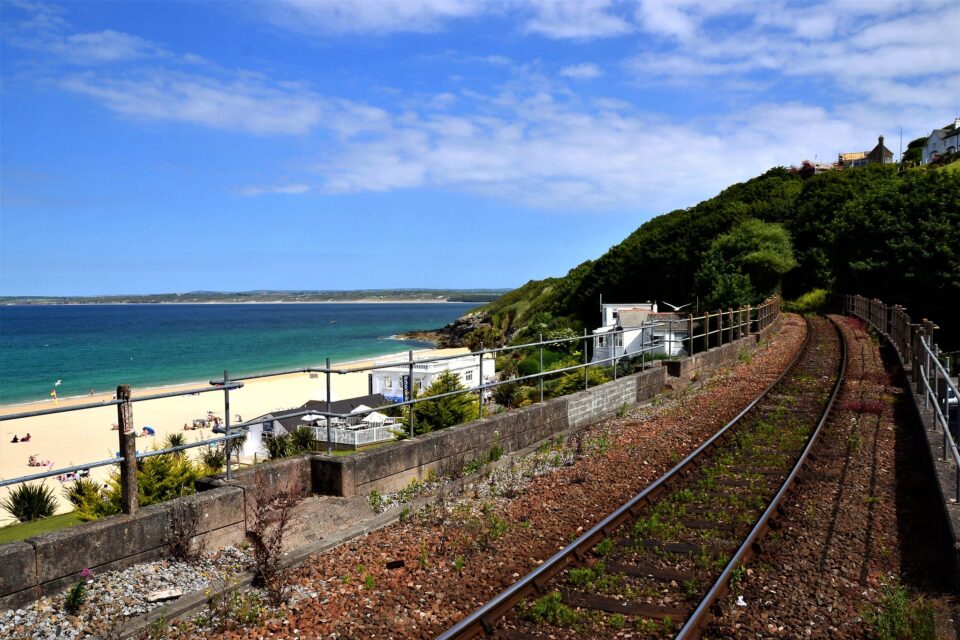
{"points": [[412, 391], [329, 434], [226, 419], [586, 379], [615, 356], [128, 450], [541, 367], [481, 380]]}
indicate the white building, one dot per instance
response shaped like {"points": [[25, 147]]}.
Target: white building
{"points": [[391, 381], [630, 328], [942, 141]]}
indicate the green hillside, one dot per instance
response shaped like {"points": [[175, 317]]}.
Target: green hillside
{"points": [[872, 230]]}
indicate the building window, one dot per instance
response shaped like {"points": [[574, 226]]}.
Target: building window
{"points": [[468, 376], [388, 383]]}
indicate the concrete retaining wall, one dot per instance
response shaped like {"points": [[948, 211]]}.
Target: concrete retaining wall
{"points": [[49, 562], [221, 508], [392, 468]]}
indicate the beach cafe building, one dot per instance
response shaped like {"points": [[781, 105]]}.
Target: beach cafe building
{"points": [[629, 327], [394, 381]]}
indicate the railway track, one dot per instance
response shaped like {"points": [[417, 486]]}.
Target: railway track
{"points": [[656, 566]]}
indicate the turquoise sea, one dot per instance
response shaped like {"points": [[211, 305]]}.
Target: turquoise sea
{"points": [[145, 345]]}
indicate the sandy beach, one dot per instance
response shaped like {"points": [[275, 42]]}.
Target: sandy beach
{"points": [[76, 437]]}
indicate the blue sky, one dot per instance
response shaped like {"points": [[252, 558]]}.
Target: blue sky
{"points": [[174, 146]]}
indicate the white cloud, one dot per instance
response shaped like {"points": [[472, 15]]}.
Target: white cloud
{"points": [[285, 189], [583, 71], [575, 19], [104, 46], [546, 151], [247, 104], [865, 48], [369, 16]]}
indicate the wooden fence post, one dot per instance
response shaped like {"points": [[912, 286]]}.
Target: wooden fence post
{"points": [[128, 450]]}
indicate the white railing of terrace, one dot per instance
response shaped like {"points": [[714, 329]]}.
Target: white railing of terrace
{"points": [[914, 342], [716, 329]]}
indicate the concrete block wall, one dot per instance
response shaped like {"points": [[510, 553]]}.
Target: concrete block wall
{"points": [[392, 468], [50, 562], [707, 361]]}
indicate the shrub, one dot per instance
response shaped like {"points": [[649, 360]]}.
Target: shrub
{"points": [[30, 502], [81, 492], [814, 301], [76, 596], [159, 478], [279, 446], [301, 440], [896, 617], [175, 440], [446, 411], [213, 457]]}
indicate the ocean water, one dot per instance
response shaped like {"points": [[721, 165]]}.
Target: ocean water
{"points": [[101, 346]]}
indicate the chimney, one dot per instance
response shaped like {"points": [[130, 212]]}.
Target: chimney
{"points": [[881, 140]]}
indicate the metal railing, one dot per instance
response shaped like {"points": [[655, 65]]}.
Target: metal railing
{"points": [[914, 342], [716, 329]]}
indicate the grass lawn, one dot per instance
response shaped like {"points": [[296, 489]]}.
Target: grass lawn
{"points": [[25, 530]]}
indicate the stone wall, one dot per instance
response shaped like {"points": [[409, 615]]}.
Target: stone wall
{"points": [[51, 561], [392, 468]]}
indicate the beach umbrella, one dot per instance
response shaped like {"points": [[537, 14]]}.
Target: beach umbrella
{"points": [[362, 408], [375, 418], [310, 417], [150, 431]]}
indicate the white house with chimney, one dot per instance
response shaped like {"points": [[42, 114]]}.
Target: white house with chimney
{"points": [[942, 141]]}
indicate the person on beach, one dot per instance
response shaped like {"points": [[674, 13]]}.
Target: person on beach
{"points": [[15, 439], [25, 438]]}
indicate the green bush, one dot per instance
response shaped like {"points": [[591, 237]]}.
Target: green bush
{"points": [[213, 457], [531, 363], [81, 492], [896, 617], [30, 502], [159, 478], [301, 440], [814, 301], [447, 411], [279, 446], [175, 440]]}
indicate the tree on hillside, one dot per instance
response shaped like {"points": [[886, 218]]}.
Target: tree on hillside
{"points": [[744, 265], [446, 411]]}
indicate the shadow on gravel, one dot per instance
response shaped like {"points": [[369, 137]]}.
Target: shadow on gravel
{"points": [[923, 529]]}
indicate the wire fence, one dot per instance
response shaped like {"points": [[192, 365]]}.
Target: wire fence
{"points": [[914, 342], [663, 335]]}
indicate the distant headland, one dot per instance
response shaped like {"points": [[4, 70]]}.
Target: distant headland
{"points": [[264, 296]]}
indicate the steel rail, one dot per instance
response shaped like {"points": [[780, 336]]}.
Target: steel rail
{"points": [[701, 615], [482, 620]]}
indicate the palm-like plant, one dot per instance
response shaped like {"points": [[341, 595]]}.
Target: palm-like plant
{"points": [[301, 439], [279, 446], [176, 440], [82, 492], [30, 502]]}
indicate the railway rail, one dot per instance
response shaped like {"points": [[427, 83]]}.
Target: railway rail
{"points": [[659, 563]]}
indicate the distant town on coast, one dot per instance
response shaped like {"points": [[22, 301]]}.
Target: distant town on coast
{"points": [[271, 296]]}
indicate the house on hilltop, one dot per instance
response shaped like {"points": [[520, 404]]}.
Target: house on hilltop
{"points": [[808, 169], [631, 328], [878, 155], [942, 141]]}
